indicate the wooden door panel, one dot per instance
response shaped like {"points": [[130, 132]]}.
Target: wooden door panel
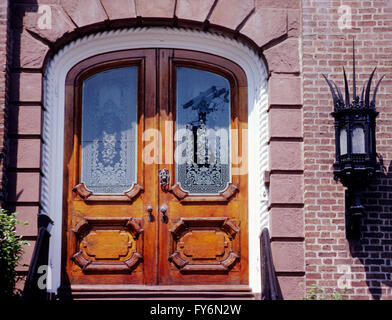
{"points": [[205, 238], [107, 239], [200, 239], [204, 244], [108, 244]]}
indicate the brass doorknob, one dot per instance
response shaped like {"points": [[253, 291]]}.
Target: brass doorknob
{"points": [[163, 213], [150, 216]]}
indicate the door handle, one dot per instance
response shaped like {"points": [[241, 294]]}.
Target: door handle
{"points": [[163, 213], [150, 216]]}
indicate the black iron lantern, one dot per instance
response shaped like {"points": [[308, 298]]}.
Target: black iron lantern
{"points": [[356, 157]]}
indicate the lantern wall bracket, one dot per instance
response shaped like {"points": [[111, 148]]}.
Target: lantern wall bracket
{"points": [[356, 161]]}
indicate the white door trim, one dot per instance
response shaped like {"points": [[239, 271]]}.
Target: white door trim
{"points": [[53, 127]]}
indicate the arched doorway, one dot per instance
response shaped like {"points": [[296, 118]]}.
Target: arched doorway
{"points": [[161, 38], [154, 171]]}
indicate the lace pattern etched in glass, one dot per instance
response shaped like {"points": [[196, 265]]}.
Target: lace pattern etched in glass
{"points": [[203, 131], [109, 129]]}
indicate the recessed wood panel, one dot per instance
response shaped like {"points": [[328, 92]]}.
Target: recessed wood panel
{"points": [[204, 244], [110, 245], [107, 245]]}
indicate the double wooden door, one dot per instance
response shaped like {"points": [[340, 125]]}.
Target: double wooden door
{"points": [[155, 170]]}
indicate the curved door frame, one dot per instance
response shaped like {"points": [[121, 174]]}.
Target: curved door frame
{"points": [[53, 129]]}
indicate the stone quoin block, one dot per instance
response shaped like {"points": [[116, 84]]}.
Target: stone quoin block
{"points": [[155, 9], [266, 25], [26, 87], [285, 90], [27, 214], [230, 13], [288, 4], [293, 288], [286, 189], [84, 12], [285, 123], [288, 256], [287, 222], [25, 153], [29, 17], [119, 9], [193, 10], [294, 23], [25, 119], [284, 57], [31, 52], [23, 186], [286, 155]]}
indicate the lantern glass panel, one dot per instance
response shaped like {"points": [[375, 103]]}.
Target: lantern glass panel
{"points": [[343, 141], [358, 139]]}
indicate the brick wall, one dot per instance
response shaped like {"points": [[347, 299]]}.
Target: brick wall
{"points": [[329, 257], [4, 48]]}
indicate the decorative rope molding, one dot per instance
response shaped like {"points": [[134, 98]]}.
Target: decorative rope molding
{"points": [[153, 37]]}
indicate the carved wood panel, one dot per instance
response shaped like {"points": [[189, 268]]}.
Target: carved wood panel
{"points": [[88, 195], [223, 196], [204, 244], [108, 244]]}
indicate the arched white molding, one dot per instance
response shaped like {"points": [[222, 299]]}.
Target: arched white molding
{"points": [[53, 128]]}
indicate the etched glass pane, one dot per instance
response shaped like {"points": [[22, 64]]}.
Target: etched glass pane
{"points": [[109, 128], [203, 131], [343, 141], [358, 140]]}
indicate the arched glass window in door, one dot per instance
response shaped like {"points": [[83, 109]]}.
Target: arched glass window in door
{"points": [[109, 128], [203, 124]]}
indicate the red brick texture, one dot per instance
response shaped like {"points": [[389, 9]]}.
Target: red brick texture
{"points": [[330, 259], [272, 28], [4, 81]]}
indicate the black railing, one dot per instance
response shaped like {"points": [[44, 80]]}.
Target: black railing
{"points": [[35, 289], [270, 289]]}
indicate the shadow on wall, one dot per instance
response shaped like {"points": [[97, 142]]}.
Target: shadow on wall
{"points": [[374, 249], [13, 194]]}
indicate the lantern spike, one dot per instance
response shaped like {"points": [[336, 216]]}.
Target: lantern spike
{"points": [[346, 89], [335, 98], [339, 92], [367, 93], [363, 93], [354, 84], [373, 103]]}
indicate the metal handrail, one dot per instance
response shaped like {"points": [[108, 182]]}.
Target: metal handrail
{"points": [[270, 289], [40, 257]]}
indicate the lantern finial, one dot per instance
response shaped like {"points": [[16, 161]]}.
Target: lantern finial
{"points": [[344, 103], [367, 94], [355, 98], [373, 103]]}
